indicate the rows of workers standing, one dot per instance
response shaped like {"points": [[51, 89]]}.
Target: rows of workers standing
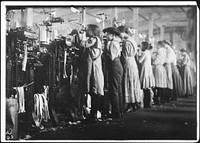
{"points": [[137, 76]]}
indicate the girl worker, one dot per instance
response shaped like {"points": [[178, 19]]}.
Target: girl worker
{"points": [[186, 74], [177, 81], [115, 72], [168, 67], [91, 74], [160, 73], [132, 89], [146, 75]]}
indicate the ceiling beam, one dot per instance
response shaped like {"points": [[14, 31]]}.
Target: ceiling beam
{"points": [[92, 15], [144, 18], [183, 10]]}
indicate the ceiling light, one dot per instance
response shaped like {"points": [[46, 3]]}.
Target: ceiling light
{"points": [[75, 10], [98, 20]]}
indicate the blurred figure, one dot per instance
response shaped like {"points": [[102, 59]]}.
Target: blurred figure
{"points": [[168, 67], [194, 73], [131, 81], [160, 74], [177, 81], [146, 75], [186, 74], [115, 71]]}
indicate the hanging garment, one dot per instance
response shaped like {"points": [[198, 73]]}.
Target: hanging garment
{"points": [[45, 105], [37, 113], [65, 62], [46, 91], [25, 59], [45, 109], [21, 100]]}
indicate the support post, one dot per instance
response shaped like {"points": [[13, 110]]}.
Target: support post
{"points": [[84, 16], [171, 36], [151, 26], [162, 32], [135, 22]]}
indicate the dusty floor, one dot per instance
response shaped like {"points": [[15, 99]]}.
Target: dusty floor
{"points": [[176, 120]]}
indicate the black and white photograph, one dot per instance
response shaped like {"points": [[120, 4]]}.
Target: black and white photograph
{"points": [[99, 71]]}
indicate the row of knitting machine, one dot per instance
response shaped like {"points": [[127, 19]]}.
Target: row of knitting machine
{"points": [[41, 81]]}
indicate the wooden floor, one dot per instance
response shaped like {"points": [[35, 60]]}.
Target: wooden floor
{"points": [[176, 120]]}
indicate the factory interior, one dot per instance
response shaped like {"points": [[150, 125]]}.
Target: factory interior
{"points": [[44, 66]]}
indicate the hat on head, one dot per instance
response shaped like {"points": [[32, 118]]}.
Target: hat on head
{"points": [[112, 30], [167, 42], [74, 31], [145, 44], [122, 29], [183, 50]]}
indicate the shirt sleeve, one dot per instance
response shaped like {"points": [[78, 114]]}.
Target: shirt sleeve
{"points": [[113, 49], [89, 43], [94, 50]]}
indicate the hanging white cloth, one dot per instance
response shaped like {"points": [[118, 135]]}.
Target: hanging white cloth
{"points": [[25, 58], [21, 97], [36, 114], [45, 109], [46, 91], [21, 100], [65, 61], [45, 100]]}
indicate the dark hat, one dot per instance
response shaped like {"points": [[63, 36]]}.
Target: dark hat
{"points": [[145, 44], [122, 29], [167, 42], [74, 31], [112, 30], [183, 50], [160, 43]]}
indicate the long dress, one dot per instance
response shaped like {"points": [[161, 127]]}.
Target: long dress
{"points": [[146, 74], [194, 75], [187, 75], [177, 81], [159, 70], [91, 74], [132, 89], [168, 67]]}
